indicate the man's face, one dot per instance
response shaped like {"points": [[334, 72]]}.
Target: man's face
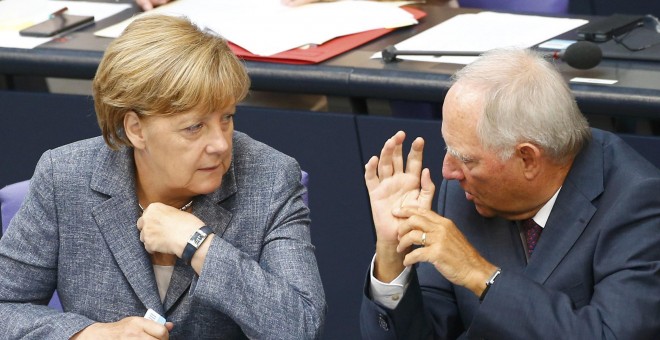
{"points": [[494, 186]]}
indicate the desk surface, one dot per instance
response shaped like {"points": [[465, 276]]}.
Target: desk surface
{"points": [[353, 74]]}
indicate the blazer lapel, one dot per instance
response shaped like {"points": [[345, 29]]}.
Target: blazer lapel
{"points": [[211, 209], [571, 213], [116, 218]]}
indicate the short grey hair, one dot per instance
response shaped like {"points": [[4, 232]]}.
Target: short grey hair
{"points": [[525, 100]]}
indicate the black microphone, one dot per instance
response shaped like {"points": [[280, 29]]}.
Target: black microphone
{"points": [[581, 55]]}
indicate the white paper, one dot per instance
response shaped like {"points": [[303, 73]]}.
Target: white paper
{"points": [[154, 316], [557, 44], [484, 31], [594, 81], [16, 15], [266, 27]]}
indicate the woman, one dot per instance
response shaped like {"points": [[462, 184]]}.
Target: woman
{"points": [[172, 210]]}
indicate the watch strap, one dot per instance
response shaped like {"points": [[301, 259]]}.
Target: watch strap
{"points": [[197, 238], [489, 283]]}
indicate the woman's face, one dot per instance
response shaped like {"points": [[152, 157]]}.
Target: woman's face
{"points": [[185, 154]]}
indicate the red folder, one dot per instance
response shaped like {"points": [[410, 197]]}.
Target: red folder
{"points": [[324, 51]]}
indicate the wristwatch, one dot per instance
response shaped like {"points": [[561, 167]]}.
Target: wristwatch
{"points": [[489, 283], [195, 241]]}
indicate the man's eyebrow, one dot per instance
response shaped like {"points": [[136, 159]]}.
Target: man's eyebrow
{"points": [[463, 158]]}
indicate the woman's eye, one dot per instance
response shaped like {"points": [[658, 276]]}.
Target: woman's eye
{"points": [[227, 118], [194, 128]]}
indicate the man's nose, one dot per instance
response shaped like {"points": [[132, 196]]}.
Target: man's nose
{"points": [[451, 168]]}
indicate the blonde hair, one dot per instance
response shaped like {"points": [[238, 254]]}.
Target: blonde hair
{"points": [[164, 65]]}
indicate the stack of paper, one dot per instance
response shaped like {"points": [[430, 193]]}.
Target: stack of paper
{"points": [[484, 31]]}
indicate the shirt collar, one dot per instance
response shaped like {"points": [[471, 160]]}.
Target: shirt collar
{"points": [[541, 217]]}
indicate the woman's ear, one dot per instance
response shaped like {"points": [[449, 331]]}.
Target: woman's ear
{"points": [[133, 128], [530, 155]]}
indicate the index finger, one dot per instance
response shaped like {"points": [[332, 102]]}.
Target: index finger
{"points": [[417, 218], [140, 223]]}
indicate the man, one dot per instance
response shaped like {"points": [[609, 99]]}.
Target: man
{"points": [[518, 150]]}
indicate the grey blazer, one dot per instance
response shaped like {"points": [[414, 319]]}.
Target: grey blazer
{"points": [[76, 233], [595, 272]]}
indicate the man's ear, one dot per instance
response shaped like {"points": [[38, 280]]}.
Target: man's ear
{"points": [[133, 127], [530, 156]]}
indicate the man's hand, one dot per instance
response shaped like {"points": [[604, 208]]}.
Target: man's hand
{"points": [[442, 245], [390, 186], [134, 327]]}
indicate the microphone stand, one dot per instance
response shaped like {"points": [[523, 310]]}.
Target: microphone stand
{"points": [[390, 53]]}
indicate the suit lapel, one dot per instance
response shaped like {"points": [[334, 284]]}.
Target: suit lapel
{"points": [[571, 213], [501, 234], [211, 209], [116, 218]]}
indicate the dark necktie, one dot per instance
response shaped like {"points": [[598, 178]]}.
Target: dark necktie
{"points": [[532, 234]]}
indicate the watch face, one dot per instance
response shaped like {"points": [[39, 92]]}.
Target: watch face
{"points": [[197, 239]]}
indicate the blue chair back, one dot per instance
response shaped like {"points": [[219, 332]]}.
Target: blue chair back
{"points": [[11, 198], [647, 146]]}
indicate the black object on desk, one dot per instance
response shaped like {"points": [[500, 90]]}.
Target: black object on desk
{"points": [[56, 24], [639, 40], [604, 29], [390, 53], [581, 55]]}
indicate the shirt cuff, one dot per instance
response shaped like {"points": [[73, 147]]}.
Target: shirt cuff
{"points": [[388, 294]]}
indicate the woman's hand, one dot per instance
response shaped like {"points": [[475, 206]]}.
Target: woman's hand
{"points": [[166, 229], [133, 327]]}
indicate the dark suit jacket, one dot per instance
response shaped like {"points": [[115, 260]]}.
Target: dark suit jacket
{"points": [[76, 233], [595, 272]]}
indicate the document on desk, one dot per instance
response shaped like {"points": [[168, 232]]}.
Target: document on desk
{"points": [[266, 27], [19, 14], [484, 31]]}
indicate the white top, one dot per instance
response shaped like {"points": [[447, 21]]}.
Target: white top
{"points": [[163, 278], [389, 294]]}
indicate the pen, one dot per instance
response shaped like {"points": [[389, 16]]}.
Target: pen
{"points": [[58, 12]]}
